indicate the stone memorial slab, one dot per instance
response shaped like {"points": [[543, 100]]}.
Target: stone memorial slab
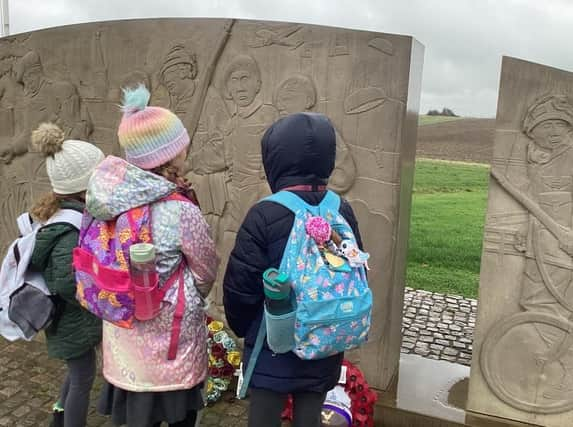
{"points": [[523, 354], [228, 80]]}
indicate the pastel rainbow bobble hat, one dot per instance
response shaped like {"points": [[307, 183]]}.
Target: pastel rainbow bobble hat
{"points": [[150, 136]]}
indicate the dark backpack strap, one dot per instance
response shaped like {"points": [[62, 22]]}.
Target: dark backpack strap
{"points": [[17, 256]]}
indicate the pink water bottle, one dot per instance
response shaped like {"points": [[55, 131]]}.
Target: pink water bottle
{"points": [[144, 279]]}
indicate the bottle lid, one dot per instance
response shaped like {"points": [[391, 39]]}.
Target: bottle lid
{"points": [[276, 284], [273, 276], [142, 252]]}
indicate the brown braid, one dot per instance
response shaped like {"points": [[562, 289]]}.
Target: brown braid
{"points": [[172, 174]]}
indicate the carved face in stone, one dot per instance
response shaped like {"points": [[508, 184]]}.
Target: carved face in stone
{"points": [[294, 96], [179, 79], [32, 79], [550, 134], [243, 87], [5, 66], [291, 100]]}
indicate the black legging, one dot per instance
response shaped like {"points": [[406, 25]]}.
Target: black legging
{"points": [[75, 393], [189, 421], [266, 407]]}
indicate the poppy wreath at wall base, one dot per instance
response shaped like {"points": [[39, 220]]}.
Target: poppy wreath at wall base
{"points": [[362, 398], [224, 359]]}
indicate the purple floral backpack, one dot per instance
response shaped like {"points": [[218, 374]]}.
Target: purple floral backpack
{"points": [[101, 262]]}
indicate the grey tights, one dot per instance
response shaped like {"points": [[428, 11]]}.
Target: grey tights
{"points": [[75, 394]]}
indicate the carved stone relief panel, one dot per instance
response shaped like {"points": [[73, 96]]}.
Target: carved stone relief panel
{"points": [[523, 363], [228, 80]]}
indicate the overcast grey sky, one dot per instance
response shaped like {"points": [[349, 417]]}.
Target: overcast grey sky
{"points": [[464, 39]]}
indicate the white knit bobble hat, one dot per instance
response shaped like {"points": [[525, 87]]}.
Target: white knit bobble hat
{"points": [[69, 163]]}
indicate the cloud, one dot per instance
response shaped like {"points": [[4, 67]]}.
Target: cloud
{"points": [[464, 40]]}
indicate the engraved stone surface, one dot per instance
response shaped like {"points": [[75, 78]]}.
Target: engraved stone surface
{"points": [[523, 358], [228, 80]]}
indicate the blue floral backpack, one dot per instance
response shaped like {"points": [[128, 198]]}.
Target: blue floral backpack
{"points": [[327, 273]]}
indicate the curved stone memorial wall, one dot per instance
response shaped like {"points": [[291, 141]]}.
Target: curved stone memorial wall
{"points": [[228, 80]]}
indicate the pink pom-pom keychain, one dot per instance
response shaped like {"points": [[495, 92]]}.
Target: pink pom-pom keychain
{"points": [[327, 240], [319, 229]]}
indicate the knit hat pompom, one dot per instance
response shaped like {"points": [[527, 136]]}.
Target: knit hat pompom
{"points": [[48, 139], [69, 163], [135, 99]]}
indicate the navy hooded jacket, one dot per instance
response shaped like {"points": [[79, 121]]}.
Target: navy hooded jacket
{"points": [[299, 149]]}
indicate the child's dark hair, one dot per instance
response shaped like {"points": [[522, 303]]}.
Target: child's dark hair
{"points": [[169, 172]]}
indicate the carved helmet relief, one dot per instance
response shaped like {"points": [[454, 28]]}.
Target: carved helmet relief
{"points": [[177, 74], [178, 65], [549, 122]]}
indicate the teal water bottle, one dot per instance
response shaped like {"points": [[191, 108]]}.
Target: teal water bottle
{"points": [[278, 291]]}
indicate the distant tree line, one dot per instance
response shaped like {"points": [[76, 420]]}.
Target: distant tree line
{"points": [[445, 112]]}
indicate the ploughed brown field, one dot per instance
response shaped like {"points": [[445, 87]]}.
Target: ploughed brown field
{"points": [[467, 140]]}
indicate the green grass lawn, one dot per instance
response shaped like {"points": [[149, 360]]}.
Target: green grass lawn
{"points": [[446, 231], [429, 120]]}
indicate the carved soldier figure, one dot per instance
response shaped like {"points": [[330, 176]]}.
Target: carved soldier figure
{"points": [[549, 125], [9, 93], [44, 100], [251, 117], [298, 93], [14, 195], [178, 74], [207, 154], [547, 239]]}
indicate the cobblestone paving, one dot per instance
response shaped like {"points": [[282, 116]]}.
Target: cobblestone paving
{"points": [[435, 326], [438, 326], [29, 384]]}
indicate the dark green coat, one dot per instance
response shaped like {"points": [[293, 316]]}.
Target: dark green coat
{"points": [[76, 330]]}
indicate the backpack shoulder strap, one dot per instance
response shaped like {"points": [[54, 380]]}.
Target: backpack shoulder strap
{"points": [[68, 216], [330, 202], [26, 224], [290, 201], [294, 203], [245, 378]]}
